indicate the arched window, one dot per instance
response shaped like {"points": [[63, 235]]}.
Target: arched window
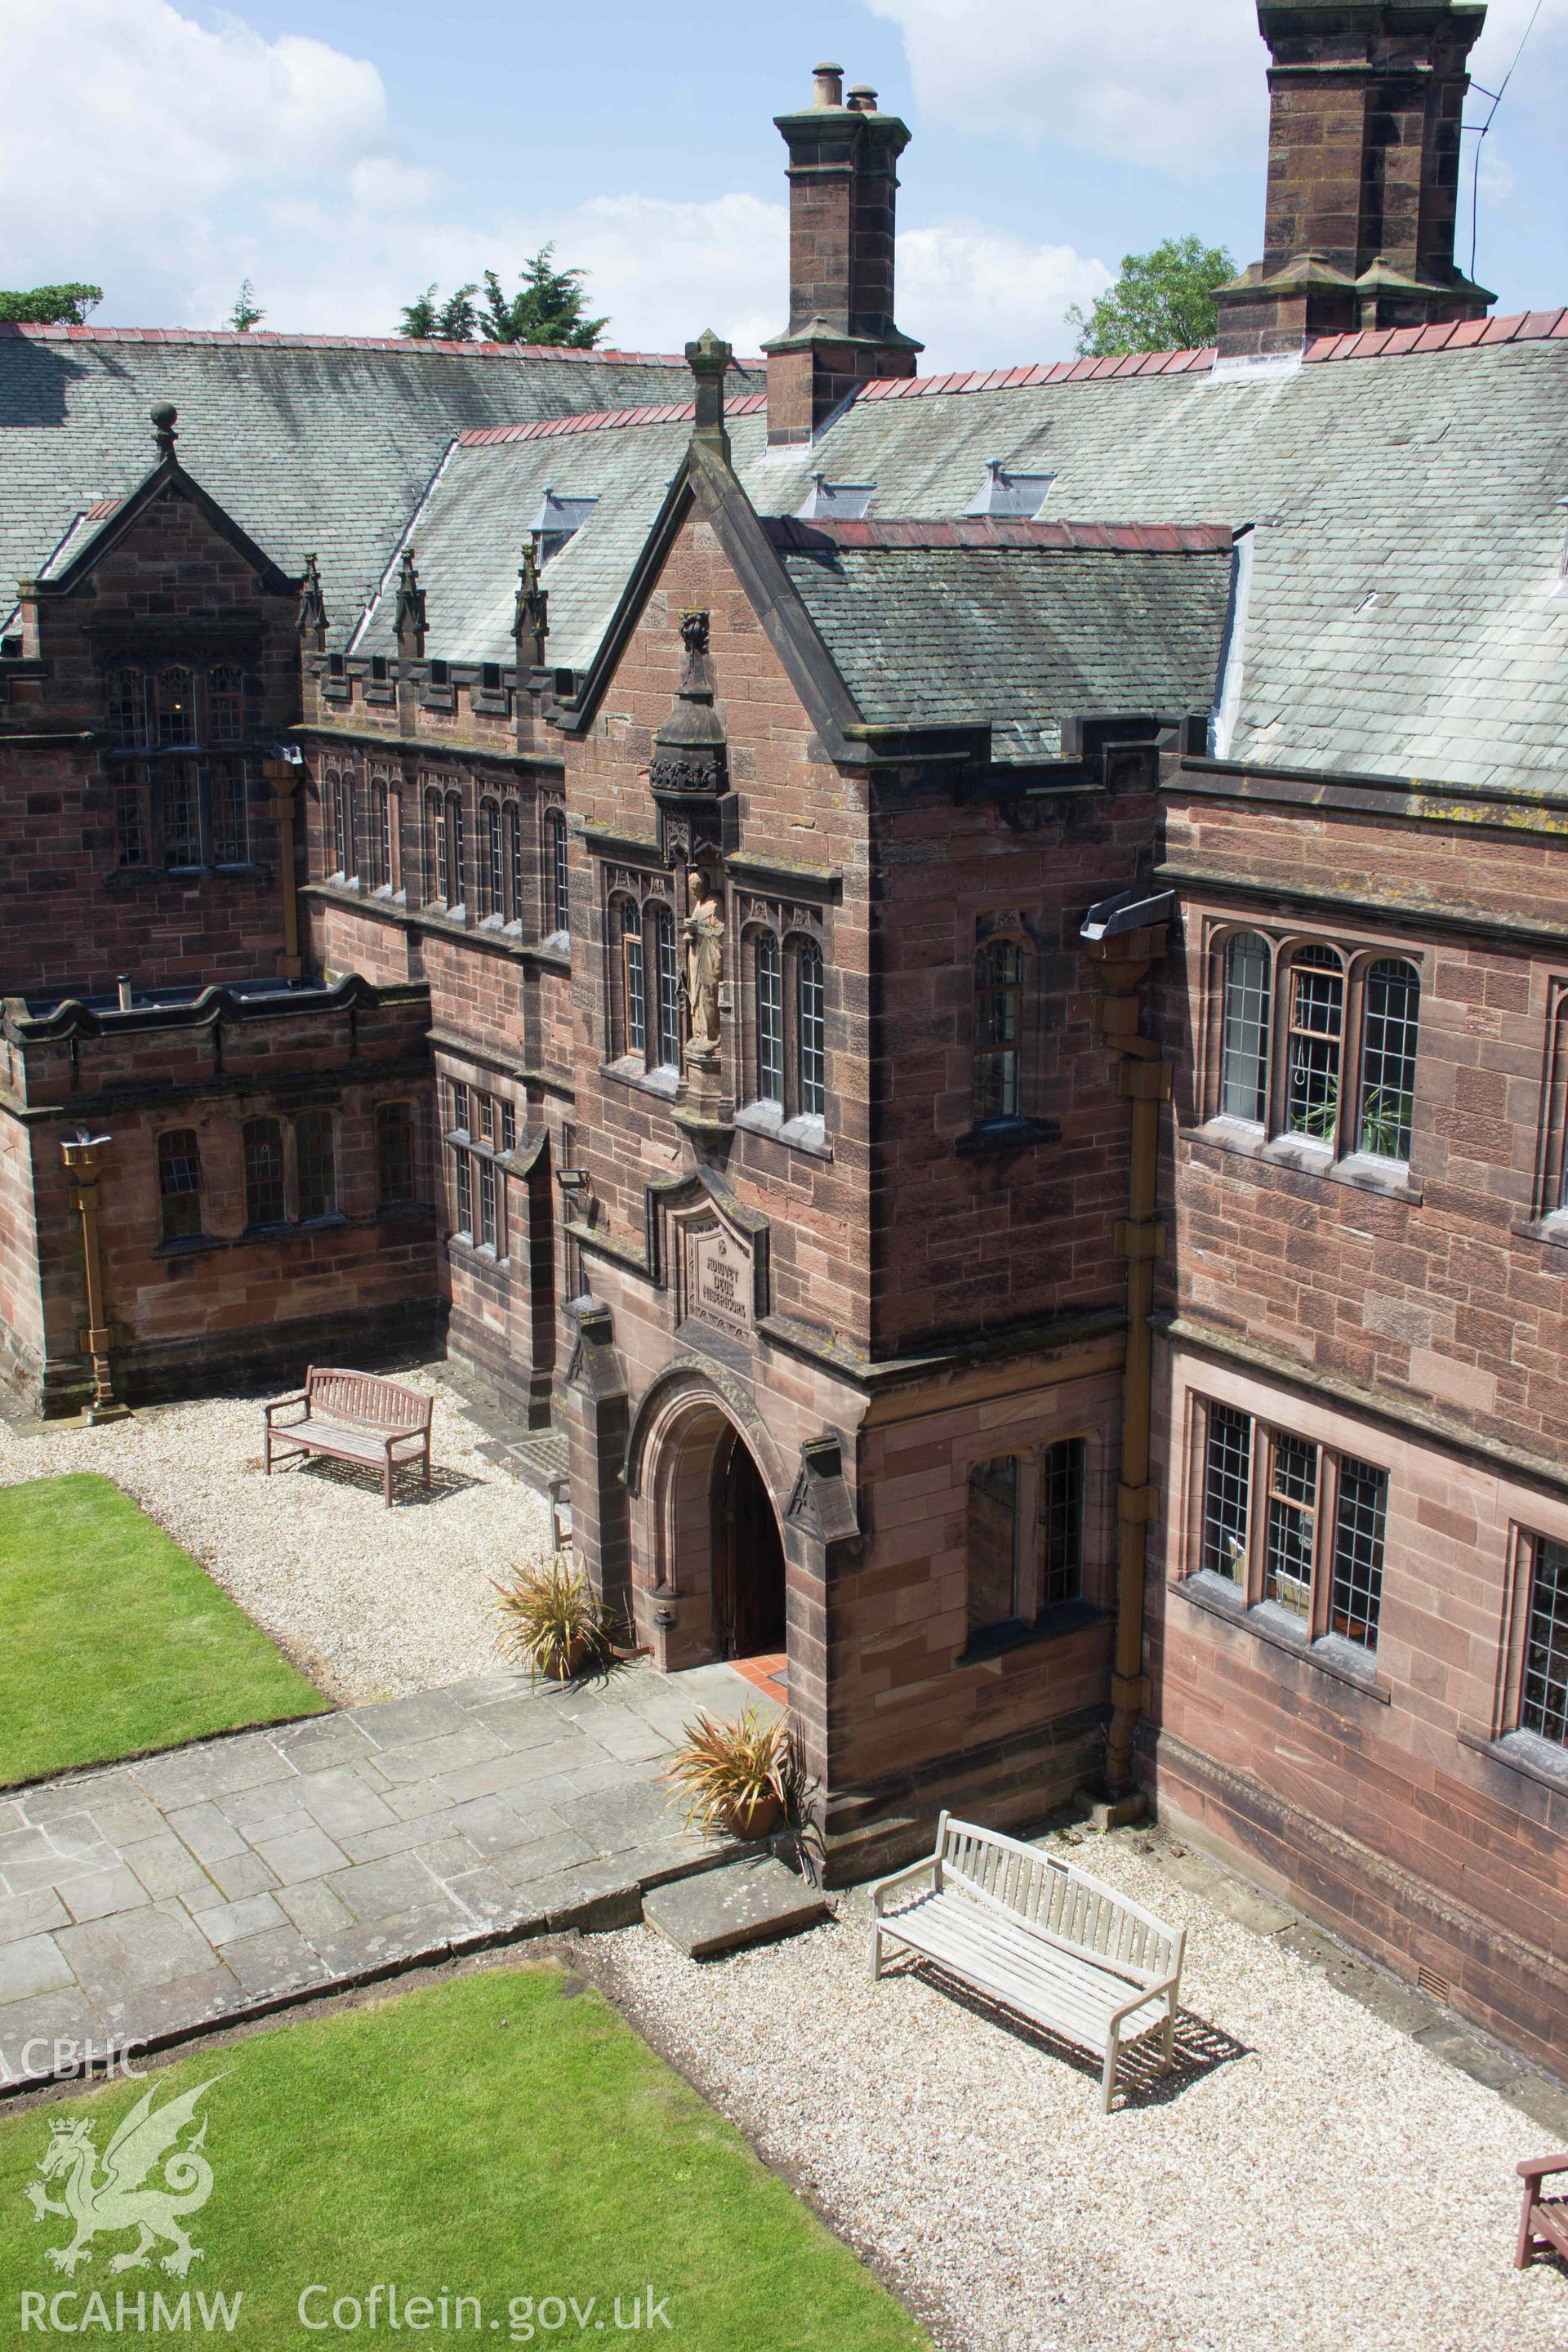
{"points": [[225, 703], [556, 900], [264, 1200], [511, 828], [342, 842], [998, 1027], [129, 709], [456, 875], [667, 986], [1244, 1045], [394, 1167], [180, 1183], [1391, 1006], [378, 837], [811, 1058], [435, 864], [1314, 1042], [492, 906], [770, 1018], [315, 1163], [628, 980], [177, 707]]}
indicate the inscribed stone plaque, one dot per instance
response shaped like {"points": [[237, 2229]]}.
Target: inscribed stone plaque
{"points": [[718, 1278]]}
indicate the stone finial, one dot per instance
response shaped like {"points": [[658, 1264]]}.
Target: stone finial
{"points": [[164, 432], [530, 612], [311, 620], [709, 359], [408, 616]]}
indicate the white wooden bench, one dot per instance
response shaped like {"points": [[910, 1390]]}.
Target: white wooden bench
{"points": [[354, 1417], [1038, 1935]]}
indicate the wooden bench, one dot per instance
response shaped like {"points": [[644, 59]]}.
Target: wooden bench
{"points": [[354, 1417], [1038, 1935], [1543, 2224]]}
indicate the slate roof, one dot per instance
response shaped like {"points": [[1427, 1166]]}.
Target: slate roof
{"points": [[1016, 625], [1428, 477], [312, 443]]}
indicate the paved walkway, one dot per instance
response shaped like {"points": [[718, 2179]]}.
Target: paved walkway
{"points": [[153, 1900]]}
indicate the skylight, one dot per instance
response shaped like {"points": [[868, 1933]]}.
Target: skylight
{"points": [[1003, 493], [837, 501]]}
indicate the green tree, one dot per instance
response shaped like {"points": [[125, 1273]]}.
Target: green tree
{"points": [[454, 320], [50, 306], [546, 308], [245, 313], [1162, 301]]}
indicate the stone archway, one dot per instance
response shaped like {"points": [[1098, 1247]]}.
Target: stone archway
{"points": [[717, 1549]]}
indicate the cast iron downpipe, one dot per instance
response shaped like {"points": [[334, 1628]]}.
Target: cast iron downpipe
{"points": [[1122, 939]]}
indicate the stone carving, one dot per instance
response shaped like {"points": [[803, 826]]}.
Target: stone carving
{"points": [[703, 931], [716, 1278]]}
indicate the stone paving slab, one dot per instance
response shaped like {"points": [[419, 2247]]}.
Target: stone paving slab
{"points": [[752, 1902], [153, 1900]]}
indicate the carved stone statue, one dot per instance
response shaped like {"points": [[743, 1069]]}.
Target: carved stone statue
{"points": [[703, 932]]}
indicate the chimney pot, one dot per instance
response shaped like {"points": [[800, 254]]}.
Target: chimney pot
{"points": [[863, 98], [829, 86], [125, 997]]}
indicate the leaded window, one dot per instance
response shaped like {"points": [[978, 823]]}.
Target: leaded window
{"points": [[1061, 1523], [488, 1226], [493, 904], [998, 1028], [378, 835], [130, 709], [1290, 1541], [770, 1018], [1355, 1593], [131, 830], [1390, 1015], [180, 1183], [437, 851], [228, 784], [513, 827], [182, 812], [463, 1192], [225, 703], [811, 1047], [1227, 1493], [1543, 1697], [456, 875], [176, 708], [557, 901], [1316, 1028], [1244, 1050], [667, 983], [265, 1195], [184, 809]]}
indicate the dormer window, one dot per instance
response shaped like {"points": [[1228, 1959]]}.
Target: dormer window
{"points": [[835, 501], [558, 517], [1020, 496]]}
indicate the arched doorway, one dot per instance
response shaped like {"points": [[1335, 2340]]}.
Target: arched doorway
{"points": [[747, 1555]]}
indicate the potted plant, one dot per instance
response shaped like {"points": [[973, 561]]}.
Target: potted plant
{"points": [[736, 1774], [555, 1622]]}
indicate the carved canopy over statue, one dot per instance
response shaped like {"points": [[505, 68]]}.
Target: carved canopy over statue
{"points": [[703, 932]]}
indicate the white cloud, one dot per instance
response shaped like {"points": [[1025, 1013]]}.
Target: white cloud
{"points": [[1179, 86], [979, 298]]}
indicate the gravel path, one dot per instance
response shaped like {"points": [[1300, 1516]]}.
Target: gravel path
{"points": [[371, 1603], [1316, 2183]]}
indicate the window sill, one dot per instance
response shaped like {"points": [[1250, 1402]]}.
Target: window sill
{"points": [[664, 1081], [809, 1134], [189, 1245], [1361, 1171], [1552, 1229], [1329, 1654], [1009, 1135], [481, 1253], [1526, 1752], [1051, 1625]]}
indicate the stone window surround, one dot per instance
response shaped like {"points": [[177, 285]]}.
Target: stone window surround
{"points": [[1030, 1445], [1549, 1221], [1017, 927], [1271, 1141], [465, 1143], [287, 1122], [1244, 1602], [797, 926], [1511, 1741]]}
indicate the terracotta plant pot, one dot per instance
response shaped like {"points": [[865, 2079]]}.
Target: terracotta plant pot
{"points": [[757, 1819], [566, 1663]]}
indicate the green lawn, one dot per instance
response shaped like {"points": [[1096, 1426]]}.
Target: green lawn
{"points": [[501, 2135], [112, 1639]]}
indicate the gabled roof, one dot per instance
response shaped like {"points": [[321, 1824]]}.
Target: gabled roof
{"points": [[1406, 614], [312, 443], [1018, 625]]}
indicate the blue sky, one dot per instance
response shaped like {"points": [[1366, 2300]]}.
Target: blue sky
{"points": [[343, 153]]}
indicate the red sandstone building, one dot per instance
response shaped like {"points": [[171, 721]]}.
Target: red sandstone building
{"points": [[1076, 1261]]}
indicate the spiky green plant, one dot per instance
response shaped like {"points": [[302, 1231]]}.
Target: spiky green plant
{"points": [[555, 1622], [727, 1768]]}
